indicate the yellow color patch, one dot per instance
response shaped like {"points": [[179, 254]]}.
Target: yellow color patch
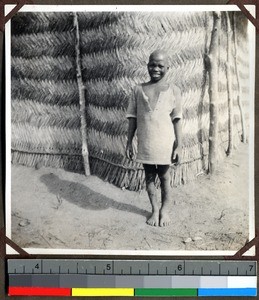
{"points": [[102, 292]]}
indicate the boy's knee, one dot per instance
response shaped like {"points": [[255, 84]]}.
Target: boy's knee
{"points": [[164, 173], [151, 190], [164, 178]]}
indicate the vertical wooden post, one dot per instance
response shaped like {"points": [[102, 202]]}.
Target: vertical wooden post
{"points": [[213, 93], [82, 103], [239, 100], [229, 86]]}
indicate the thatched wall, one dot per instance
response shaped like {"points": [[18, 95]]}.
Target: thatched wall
{"points": [[45, 104], [114, 50]]}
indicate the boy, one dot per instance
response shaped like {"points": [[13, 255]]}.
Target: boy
{"points": [[155, 110]]}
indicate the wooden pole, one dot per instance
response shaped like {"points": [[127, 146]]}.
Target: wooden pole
{"points": [[239, 101], [212, 60], [229, 86], [82, 101]]}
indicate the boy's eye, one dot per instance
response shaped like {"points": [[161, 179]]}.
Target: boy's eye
{"points": [[154, 65]]}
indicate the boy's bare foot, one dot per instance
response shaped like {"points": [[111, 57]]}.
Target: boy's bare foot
{"points": [[154, 219], [164, 218]]}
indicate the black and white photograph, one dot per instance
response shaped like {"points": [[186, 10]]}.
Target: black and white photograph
{"points": [[130, 130]]}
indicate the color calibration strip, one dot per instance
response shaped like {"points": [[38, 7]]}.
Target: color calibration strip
{"points": [[130, 292], [131, 278]]}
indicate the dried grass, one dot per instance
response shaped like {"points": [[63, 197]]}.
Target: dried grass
{"points": [[45, 115], [30, 23], [60, 93], [54, 140], [44, 68], [43, 44], [72, 163]]}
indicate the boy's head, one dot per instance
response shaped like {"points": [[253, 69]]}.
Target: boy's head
{"points": [[157, 65]]}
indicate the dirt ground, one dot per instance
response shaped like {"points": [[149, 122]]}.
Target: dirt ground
{"points": [[53, 208]]}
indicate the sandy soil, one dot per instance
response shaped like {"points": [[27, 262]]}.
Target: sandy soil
{"points": [[57, 209]]}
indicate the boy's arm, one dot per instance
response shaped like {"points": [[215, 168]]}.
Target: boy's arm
{"points": [[132, 117], [131, 131], [177, 151], [177, 123]]}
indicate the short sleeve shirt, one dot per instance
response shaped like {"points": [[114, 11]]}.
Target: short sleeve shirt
{"points": [[155, 130]]}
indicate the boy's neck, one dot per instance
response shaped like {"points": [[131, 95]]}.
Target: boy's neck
{"points": [[159, 82]]}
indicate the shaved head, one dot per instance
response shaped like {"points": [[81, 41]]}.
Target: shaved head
{"points": [[159, 55]]}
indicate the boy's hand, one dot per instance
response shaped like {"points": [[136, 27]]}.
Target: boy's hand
{"points": [[177, 154], [129, 151]]}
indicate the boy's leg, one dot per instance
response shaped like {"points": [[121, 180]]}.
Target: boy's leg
{"points": [[164, 176], [150, 173]]}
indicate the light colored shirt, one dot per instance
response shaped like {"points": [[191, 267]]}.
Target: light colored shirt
{"points": [[155, 130]]}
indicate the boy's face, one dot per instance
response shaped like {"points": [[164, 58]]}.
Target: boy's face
{"points": [[157, 66]]}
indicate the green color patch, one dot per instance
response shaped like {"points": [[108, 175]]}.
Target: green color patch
{"points": [[166, 292]]}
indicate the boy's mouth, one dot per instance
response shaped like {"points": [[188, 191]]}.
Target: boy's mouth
{"points": [[155, 74]]}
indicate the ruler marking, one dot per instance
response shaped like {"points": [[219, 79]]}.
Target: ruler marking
{"points": [[23, 268]]}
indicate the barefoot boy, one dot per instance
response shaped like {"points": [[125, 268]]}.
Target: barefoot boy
{"points": [[155, 110]]}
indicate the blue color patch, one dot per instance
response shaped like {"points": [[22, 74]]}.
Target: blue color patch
{"points": [[227, 292]]}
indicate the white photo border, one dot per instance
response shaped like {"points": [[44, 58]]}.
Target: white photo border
{"points": [[132, 8]]}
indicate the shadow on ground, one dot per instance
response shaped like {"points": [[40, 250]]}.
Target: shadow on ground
{"points": [[85, 197]]}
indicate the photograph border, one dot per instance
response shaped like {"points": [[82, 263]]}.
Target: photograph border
{"points": [[64, 8]]}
